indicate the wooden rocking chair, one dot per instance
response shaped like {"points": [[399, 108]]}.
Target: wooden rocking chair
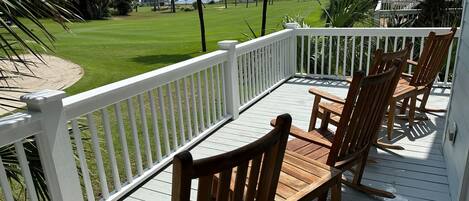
{"points": [[262, 159], [382, 62], [361, 117], [427, 68]]}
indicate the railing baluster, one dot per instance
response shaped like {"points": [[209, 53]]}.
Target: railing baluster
{"points": [[219, 102], [246, 78], [161, 103], [302, 48], [411, 55], [201, 104], [345, 56], [194, 107], [181, 115], [253, 74], [329, 66], [322, 54], [188, 110], [258, 72], [207, 100], [316, 41], [146, 139], [308, 56], [133, 125], [337, 56], [172, 117], [353, 56], [6, 188], [110, 148], [155, 125], [214, 102], [448, 62], [369, 56], [82, 160], [225, 110], [360, 67], [25, 171], [97, 155], [241, 72]]}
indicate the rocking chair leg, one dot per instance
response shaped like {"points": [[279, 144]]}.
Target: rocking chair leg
{"points": [[336, 193], [382, 145], [390, 126], [323, 197], [368, 190], [424, 100], [325, 120], [314, 113], [413, 102], [404, 106]]}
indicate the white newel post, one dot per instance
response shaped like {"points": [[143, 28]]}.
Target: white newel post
{"points": [[231, 77], [54, 145], [293, 47]]}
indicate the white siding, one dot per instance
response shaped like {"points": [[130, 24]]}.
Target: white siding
{"points": [[457, 154]]}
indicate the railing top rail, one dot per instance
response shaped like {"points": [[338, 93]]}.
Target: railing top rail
{"points": [[100, 97], [412, 11], [393, 32], [264, 40], [18, 126]]}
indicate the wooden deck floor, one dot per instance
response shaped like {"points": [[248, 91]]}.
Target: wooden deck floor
{"points": [[416, 173]]}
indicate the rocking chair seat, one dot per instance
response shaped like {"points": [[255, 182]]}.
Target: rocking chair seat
{"points": [[309, 150]]}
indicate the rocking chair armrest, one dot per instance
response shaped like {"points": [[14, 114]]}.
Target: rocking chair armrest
{"points": [[307, 136], [326, 95], [406, 75], [349, 79], [411, 62]]}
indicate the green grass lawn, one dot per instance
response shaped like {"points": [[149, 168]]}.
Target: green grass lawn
{"points": [[121, 47], [118, 48]]}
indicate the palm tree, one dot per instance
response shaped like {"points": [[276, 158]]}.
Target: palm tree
{"points": [[202, 25], [264, 16], [173, 6], [27, 35], [345, 13]]}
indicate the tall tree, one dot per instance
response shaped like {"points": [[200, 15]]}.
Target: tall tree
{"points": [[173, 6], [264, 16], [226, 3], [202, 25], [345, 13], [22, 32]]}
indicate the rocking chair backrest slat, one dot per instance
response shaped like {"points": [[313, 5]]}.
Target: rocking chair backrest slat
{"points": [[431, 60], [384, 61], [362, 114], [261, 160]]}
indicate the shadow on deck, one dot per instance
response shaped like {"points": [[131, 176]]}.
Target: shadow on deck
{"points": [[416, 173]]}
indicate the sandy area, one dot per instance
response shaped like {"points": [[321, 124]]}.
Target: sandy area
{"points": [[55, 73]]}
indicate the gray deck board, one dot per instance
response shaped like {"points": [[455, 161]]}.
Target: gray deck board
{"points": [[416, 173]]}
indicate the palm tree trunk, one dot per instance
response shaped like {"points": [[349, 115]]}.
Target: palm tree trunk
{"points": [[202, 25], [264, 16], [173, 6]]}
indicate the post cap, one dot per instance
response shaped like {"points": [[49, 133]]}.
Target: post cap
{"points": [[227, 44], [42, 97], [292, 25]]}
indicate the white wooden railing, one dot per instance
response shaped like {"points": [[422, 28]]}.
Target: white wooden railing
{"points": [[102, 143], [338, 52], [403, 12]]}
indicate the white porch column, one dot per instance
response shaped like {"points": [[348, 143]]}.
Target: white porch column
{"points": [[54, 145], [231, 77], [293, 47]]}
